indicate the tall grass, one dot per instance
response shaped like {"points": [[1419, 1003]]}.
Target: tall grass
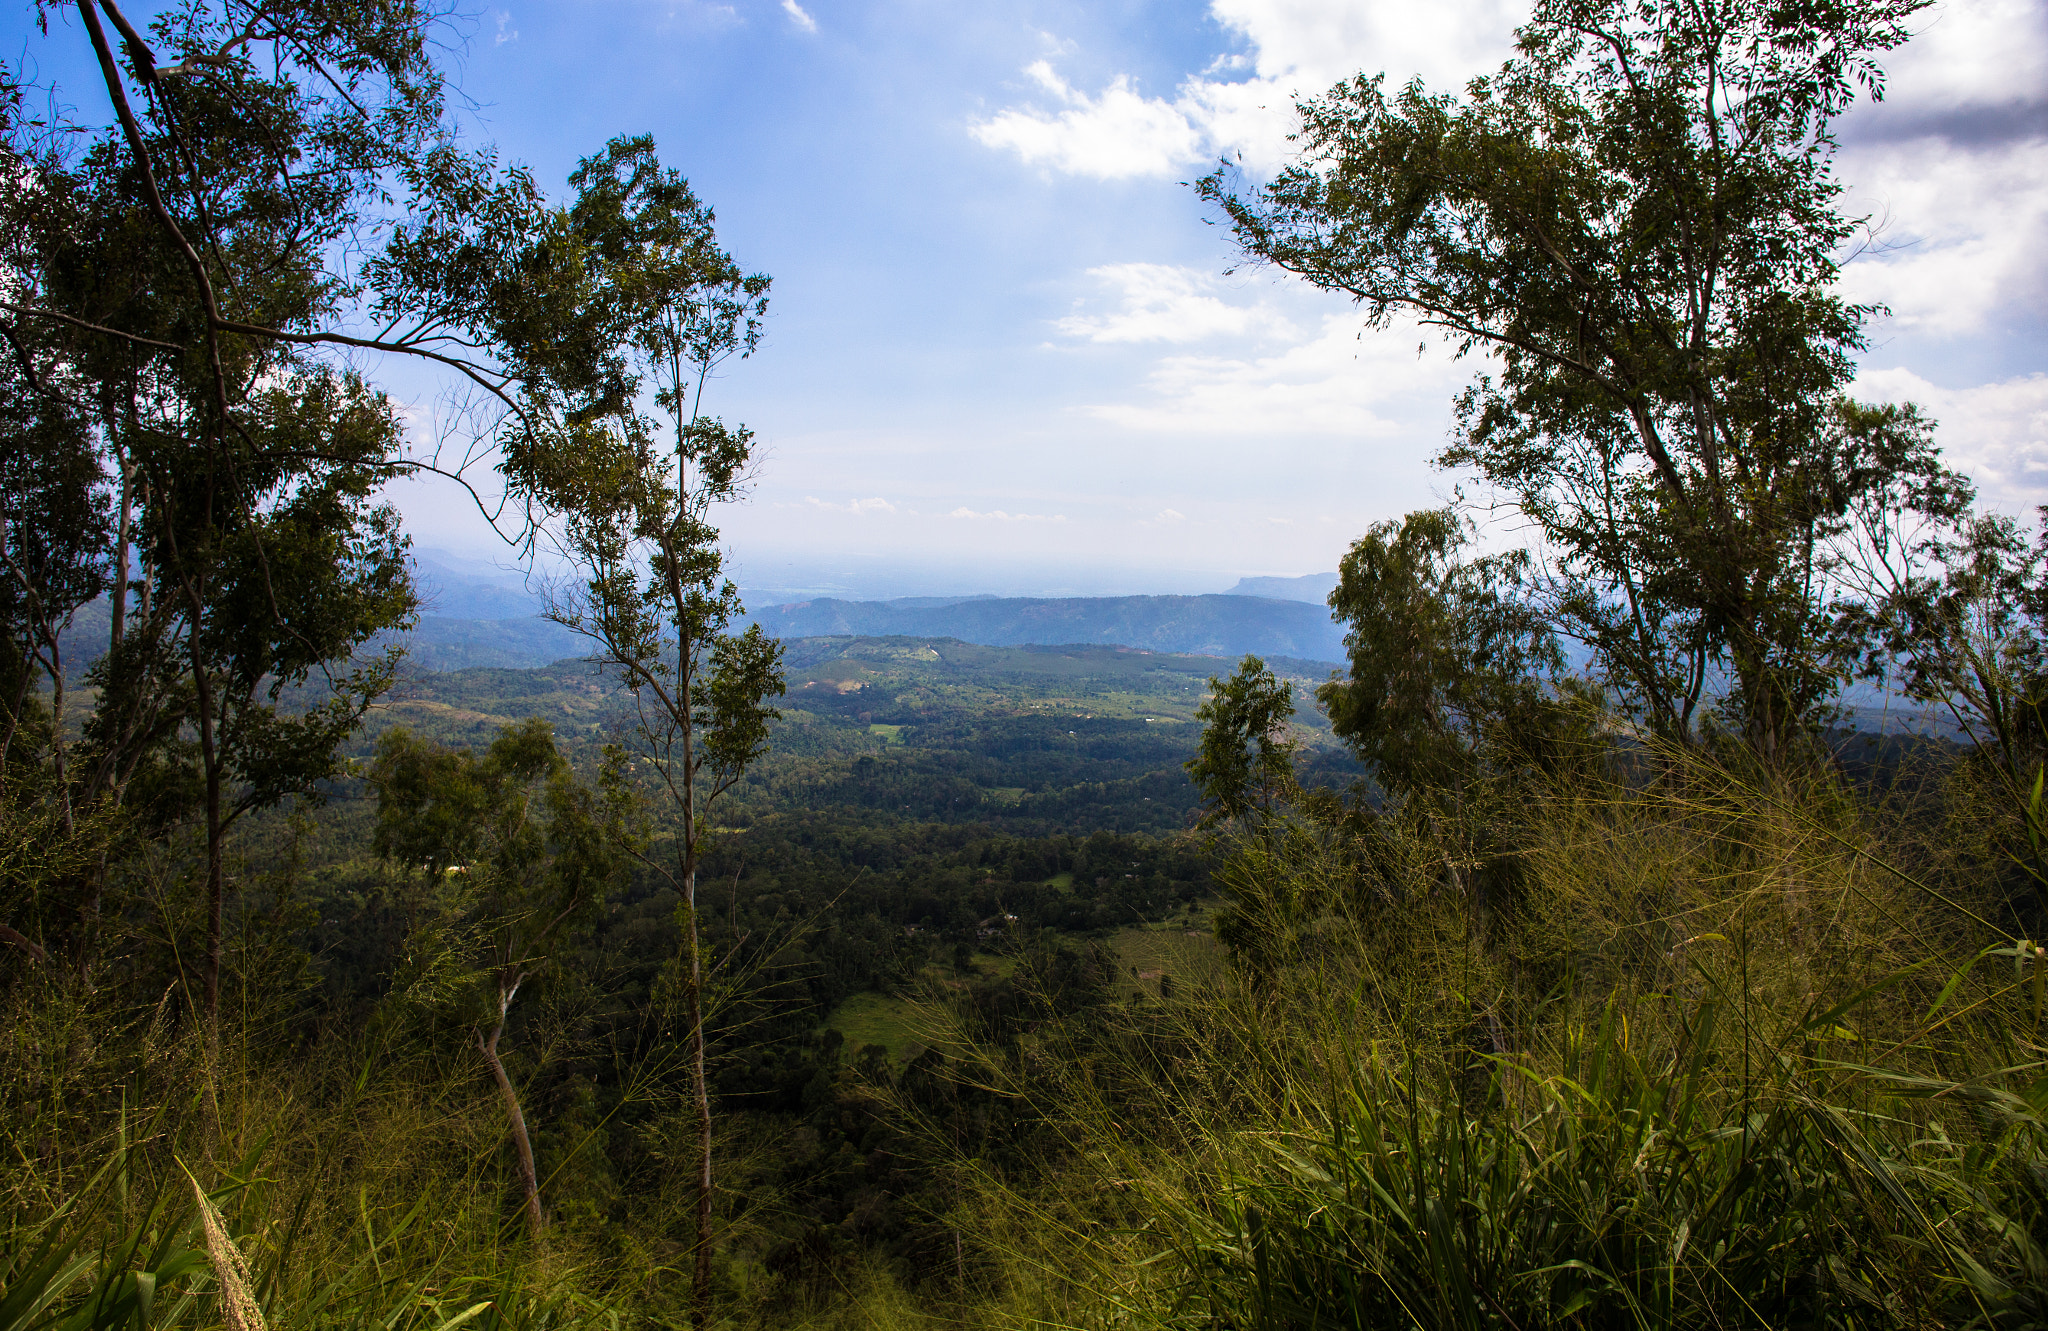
{"points": [[1662, 1043], [359, 1177], [269, 1200], [1682, 1046]]}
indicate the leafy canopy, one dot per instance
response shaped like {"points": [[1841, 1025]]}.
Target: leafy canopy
{"points": [[1636, 220]]}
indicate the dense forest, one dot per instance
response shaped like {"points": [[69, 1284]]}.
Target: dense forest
{"points": [[1566, 957]]}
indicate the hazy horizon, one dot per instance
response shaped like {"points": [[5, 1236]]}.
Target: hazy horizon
{"points": [[881, 579]]}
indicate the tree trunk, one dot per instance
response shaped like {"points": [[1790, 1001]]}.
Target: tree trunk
{"points": [[700, 1286], [57, 753], [529, 1179], [23, 942], [118, 622], [700, 1293], [216, 871], [12, 723]]}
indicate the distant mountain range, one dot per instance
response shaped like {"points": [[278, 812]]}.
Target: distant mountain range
{"points": [[477, 614], [1312, 587], [1208, 625], [480, 615]]}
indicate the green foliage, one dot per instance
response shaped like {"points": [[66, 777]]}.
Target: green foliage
{"points": [[655, 306], [1612, 1193], [1443, 656], [509, 848], [1636, 216], [1245, 760], [140, 1247], [1707, 1063], [180, 282]]}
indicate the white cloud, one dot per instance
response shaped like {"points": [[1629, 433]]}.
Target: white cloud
{"points": [[1967, 52], [1335, 382], [857, 507], [1961, 232], [798, 16], [1168, 303], [1955, 160], [505, 33], [1170, 515], [1243, 102], [1114, 136], [1953, 166], [1307, 45], [997, 515], [1996, 432]]}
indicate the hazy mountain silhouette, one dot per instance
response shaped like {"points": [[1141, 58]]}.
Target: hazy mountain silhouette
{"points": [[1214, 625], [1314, 587]]}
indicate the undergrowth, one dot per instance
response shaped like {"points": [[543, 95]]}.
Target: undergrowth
{"points": [[1654, 1044]]}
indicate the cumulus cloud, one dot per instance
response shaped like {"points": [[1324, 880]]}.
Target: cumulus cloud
{"points": [[997, 515], [1975, 72], [1996, 432], [1333, 382], [1960, 232], [798, 16], [1955, 160], [1114, 135], [1953, 168], [1167, 303], [855, 506], [1170, 515], [1244, 100]]}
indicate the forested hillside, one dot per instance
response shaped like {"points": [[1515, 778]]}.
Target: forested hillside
{"points": [[1552, 956], [1216, 625]]}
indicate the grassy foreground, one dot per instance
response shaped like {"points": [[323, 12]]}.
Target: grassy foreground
{"points": [[1698, 1048], [1666, 1046]]}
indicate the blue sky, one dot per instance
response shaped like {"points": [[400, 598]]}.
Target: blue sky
{"points": [[1003, 355]]}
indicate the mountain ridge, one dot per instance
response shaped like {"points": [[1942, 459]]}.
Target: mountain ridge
{"points": [[1218, 624]]}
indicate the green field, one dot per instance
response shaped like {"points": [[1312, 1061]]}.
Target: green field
{"points": [[870, 1018], [1181, 948]]}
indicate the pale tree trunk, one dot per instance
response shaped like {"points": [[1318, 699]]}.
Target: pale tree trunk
{"points": [[700, 1298], [216, 853], [700, 1289], [529, 1179], [118, 627]]}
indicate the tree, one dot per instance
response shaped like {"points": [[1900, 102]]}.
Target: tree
{"points": [[1635, 217], [177, 289], [626, 479], [56, 557], [1443, 656], [1246, 759], [513, 856]]}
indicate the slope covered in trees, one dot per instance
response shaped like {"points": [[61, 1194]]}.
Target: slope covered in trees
{"points": [[1216, 625]]}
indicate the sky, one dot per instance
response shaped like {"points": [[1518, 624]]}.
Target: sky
{"points": [[1007, 351]]}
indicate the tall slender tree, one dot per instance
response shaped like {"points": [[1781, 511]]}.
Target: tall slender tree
{"points": [[179, 290], [626, 482]]}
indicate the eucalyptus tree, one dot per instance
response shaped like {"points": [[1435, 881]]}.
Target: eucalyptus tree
{"points": [[511, 855], [56, 552], [1637, 219], [191, 294], [1245, 763], [640, 307], [1444, 658]]}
